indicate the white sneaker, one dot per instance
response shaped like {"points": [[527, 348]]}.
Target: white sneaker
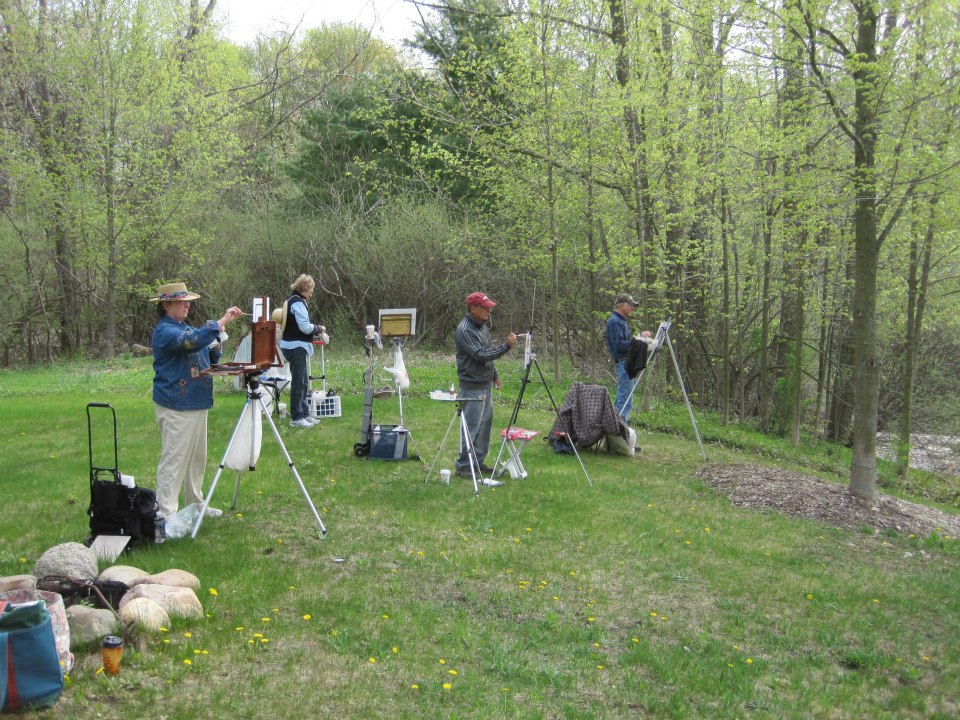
{"points": [[213, 512], [490, 482], [312, 420], [302, 422]]}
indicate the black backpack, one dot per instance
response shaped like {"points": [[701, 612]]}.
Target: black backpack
{"points": [[636, 358]]}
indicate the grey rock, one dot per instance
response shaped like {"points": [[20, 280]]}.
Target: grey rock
{"points": [[71, 559]]}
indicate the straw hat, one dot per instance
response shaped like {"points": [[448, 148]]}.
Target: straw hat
{"points": [[172, 292], [279, 316]]}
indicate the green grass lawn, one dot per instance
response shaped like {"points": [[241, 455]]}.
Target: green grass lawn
{"points": [[646, 595]]}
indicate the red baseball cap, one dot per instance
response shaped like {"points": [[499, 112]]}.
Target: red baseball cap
{"points": [[479, 299]]}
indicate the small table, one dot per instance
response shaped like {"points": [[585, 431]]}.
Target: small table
{"points": [[516, 440]]}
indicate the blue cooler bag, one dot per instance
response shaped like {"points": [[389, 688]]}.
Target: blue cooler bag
{"points": [[30, 673], [388, 442]]}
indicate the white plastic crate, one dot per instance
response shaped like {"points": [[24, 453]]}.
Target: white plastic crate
{"points": [[320, 405]]}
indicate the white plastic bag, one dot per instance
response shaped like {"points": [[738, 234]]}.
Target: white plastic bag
{"points": [[182, 522]]}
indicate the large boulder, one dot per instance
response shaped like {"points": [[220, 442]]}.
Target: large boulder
{"points": [[173, 578], [179, 602], [127, 574], [18, 582], [71, 559], [89, 625], [145, 615]]}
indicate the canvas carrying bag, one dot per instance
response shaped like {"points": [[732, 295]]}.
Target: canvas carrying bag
{"points": [[30, 673]]}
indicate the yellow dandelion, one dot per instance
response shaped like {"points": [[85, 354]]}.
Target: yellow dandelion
{"points": [[394, 650], [265, 619], [188, 635], [308, 616], [635, 640], [239, 516], [414, 687], [196, 651], [447, 686], [188, 661], [163, 630], [372, 660], [453, 672], [749, 661], [599, 667], [204, 652], [239, 628], [653, 613], [213, 591], [264, 640], [258, 635], [442, 661], [875, 600], [385, 617], [166, 641]]}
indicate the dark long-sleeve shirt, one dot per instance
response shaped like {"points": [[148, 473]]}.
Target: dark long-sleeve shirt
{"points": [[475, 354]]}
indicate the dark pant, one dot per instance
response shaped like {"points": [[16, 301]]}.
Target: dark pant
{"points": [[299, 363], [479, 417]]}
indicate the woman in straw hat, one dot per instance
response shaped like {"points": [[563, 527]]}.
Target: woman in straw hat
{"points": [[296, 344], [182, 394]]}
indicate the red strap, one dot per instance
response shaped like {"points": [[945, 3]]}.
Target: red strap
{"points": [[13, 697]]}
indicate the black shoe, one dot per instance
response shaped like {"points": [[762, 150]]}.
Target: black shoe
{"points": [[484, 468], [464, 473]]}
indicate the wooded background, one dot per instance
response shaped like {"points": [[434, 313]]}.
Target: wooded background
{"points": [[778, 178]]}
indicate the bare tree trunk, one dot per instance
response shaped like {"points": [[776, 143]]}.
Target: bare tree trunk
{"points": [[866, 364], [917, 281]]}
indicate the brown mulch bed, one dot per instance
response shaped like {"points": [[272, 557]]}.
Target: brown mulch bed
{"points": [[797, 495]]}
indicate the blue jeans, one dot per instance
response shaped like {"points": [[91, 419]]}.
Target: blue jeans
{"points": [[299, 363], [624, 402], [479, 417]]}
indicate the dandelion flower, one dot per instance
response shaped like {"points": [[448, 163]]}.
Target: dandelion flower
{"points": [[394, 650], [308, 616], [188, 635], [749, 661], [447, 686], [414, 687], [213, 591], [163, 629], [372, 661], [188, 661]]}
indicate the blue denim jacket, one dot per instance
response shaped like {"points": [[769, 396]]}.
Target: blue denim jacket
{"points": [[618, 337], [180, 353]]}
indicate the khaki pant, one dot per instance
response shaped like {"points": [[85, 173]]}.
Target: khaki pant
{"points": [[183, 457]]}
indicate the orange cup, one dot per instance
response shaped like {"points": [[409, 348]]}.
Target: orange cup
{"points": [[110, 650]]}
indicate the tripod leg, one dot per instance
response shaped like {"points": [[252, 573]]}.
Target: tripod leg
{"points": [[216, 478], [693, 420], [293, 469], [440, 447], [236, 490], [471, 453]]}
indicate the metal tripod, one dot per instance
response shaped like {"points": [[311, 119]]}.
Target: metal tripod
{"points": [[465, 437], [663, 338], [529, 361], [254, 405]]}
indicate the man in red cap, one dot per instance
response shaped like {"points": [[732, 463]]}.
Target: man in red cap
{"points": [[478, 376]]}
